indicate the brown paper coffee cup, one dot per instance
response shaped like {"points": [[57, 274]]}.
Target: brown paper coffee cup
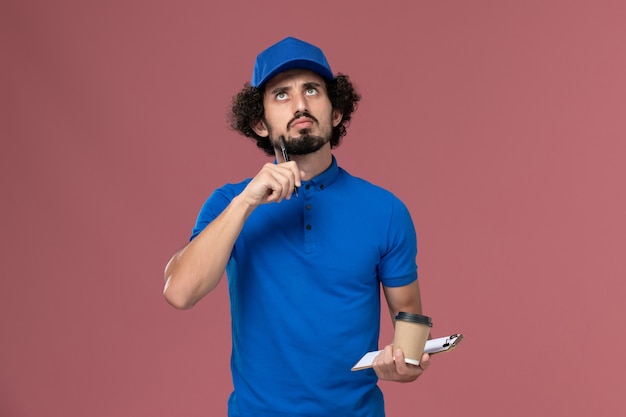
{"points": [[411, 334]]}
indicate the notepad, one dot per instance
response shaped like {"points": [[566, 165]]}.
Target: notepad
{"points": [[441, 344]]}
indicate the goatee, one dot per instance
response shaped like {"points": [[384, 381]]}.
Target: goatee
{"points": [[306, 143]]}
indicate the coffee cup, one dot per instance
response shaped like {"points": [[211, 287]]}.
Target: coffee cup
{"points": [[411, 333]]}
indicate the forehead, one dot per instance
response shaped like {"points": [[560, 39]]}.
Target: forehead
{"points": [[294, 76]]}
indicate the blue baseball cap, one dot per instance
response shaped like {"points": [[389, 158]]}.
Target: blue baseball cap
{"points": [[290, 53]]}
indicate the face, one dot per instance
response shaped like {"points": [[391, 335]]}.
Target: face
{"points": [[297, 107]]}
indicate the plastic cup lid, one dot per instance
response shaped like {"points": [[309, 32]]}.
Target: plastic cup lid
{"points": [[414, 318]]}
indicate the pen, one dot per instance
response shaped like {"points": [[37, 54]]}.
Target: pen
{"points": [[286, 158]]}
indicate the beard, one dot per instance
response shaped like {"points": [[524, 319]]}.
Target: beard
{"points": [[305, 143]]}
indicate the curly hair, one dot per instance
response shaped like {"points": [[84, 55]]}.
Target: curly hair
{"points": [[247, 110]]}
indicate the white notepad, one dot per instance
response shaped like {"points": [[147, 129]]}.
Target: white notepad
{"points": [[440, 344]]}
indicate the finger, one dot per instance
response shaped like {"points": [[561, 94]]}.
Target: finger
{"points": [[266, 189], [383, 364], [400, 363], [297, 174], [384, 360], [287, 181], [277, 182], [301, 175], [425, 361]]}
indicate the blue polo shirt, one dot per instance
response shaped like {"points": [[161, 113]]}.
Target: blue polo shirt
{"points": [[304, 282]]}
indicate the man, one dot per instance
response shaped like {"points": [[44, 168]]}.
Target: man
{"points": [[304, 275]]}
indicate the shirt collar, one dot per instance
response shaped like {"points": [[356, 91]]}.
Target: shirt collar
{"points": [[325, 178]]}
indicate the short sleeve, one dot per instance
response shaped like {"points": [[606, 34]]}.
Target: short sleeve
{"points": [[214, 205], [398, 266]]}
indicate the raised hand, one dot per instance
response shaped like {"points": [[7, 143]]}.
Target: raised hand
{"points": [[272, 184]]}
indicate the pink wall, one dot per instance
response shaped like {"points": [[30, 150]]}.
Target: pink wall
{"points": [[500, 124]]}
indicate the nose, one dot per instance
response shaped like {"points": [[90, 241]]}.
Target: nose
{"points": [[299, 103]]}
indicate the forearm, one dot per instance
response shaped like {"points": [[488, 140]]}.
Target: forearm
{"points": [[196, 269], [390, 364]]}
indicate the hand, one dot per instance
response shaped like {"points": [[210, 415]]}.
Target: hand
{"points": [[273, 183], [390, 369]]}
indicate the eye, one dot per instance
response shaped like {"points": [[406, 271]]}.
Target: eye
{"points": [[281, 96], [311, 91]]}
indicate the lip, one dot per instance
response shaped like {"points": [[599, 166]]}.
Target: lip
{"points": [[302, 122]]}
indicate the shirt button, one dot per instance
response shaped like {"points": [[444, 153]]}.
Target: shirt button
{"points": [[308, 207], [307, 186], [308, 227], [321, 186]]}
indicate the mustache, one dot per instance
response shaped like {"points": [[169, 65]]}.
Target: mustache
{"points": [[300, 114]]}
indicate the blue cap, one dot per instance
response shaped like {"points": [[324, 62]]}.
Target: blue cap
{"points": [[290, 53]]}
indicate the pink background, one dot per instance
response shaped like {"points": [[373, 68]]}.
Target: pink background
{"points": [[501, 124]]}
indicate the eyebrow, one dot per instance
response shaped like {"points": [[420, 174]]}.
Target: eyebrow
{"points": [[312, 84], [282, 89]]}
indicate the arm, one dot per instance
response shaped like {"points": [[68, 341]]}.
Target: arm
{"points": [[390, 365], [406, 298], [197, 268]]}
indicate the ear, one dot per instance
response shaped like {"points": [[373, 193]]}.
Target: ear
{"points": [[260, 128], [337, 116]]}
